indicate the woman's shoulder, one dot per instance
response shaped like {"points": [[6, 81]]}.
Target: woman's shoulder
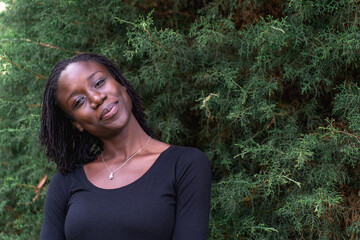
{"points": [[188, 157], [189, 153], [65, 180], [191, 166]]}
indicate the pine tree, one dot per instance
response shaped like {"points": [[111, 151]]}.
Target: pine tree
{"points": [[268, 89]]}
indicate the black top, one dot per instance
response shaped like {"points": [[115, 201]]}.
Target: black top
{"points": [[170, 201]]}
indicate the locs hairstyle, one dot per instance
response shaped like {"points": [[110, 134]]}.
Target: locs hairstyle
{"points": [[64, 144]]}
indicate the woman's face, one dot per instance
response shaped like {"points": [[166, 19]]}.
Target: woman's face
{"points": [[96, 102]]}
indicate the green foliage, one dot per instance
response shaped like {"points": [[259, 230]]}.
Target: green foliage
{"points": [[268, 89]]}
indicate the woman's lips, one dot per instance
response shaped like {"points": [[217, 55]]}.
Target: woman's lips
{"points": [[109, 111]]}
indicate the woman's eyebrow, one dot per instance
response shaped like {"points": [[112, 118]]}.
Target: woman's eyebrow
{"points": [[92, 75]]}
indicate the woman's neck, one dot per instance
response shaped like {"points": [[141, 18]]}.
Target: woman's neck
{"points": [[126, 143]]}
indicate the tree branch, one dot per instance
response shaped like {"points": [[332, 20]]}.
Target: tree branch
{"points": [[23, 68], [50, 46]]}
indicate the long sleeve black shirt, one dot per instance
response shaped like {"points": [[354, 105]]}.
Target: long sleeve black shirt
{"points": [[170, 201]]}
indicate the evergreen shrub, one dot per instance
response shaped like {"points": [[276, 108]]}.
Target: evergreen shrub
{"points": [[268, 89]]}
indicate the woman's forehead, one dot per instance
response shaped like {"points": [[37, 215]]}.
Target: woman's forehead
{"points": [[78, 70]]}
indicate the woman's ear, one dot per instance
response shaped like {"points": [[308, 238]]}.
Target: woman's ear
{"points": [[77, 125]]}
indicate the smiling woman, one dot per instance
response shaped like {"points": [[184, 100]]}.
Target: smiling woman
{"points": [[115, 180], [95, 101]]}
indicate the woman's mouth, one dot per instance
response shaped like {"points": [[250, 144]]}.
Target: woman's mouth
{"points": [[109, 111]]}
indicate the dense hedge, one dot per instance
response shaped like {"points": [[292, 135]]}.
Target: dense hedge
{"points": [[268, 89]]}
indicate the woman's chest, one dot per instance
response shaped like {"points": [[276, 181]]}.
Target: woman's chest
{"points": [[138, 211]]}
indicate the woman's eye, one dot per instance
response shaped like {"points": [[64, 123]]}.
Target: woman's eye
{"points": [[78, 102], [99, 83]]}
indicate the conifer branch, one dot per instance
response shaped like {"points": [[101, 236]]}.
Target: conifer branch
{"points": [[151, 37], [37, 189], [35, 105], [143, 25], [297, 183], [51, 46], [351, 135], [204, 103], [23, 68]]}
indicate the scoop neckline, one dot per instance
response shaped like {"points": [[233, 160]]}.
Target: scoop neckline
{"points": [[148, 172]]}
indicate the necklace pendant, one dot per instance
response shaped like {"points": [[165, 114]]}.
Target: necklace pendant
{"points": [[111, 176]]}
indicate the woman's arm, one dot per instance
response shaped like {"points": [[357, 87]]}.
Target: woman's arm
{"points": [[55, 210], [193, 186]]}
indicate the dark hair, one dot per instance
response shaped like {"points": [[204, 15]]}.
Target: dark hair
{"points": [[65, 145]]}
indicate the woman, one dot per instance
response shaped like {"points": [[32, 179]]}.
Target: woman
{"points": [[114, 181]]}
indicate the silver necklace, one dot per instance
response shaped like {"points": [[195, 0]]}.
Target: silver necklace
{"points": [[111, 176]]}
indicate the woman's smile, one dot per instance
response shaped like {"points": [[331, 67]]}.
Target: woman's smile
{"points": [[109, 111]]}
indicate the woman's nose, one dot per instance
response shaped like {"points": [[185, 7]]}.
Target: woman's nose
{"points": [[96, 99]]}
